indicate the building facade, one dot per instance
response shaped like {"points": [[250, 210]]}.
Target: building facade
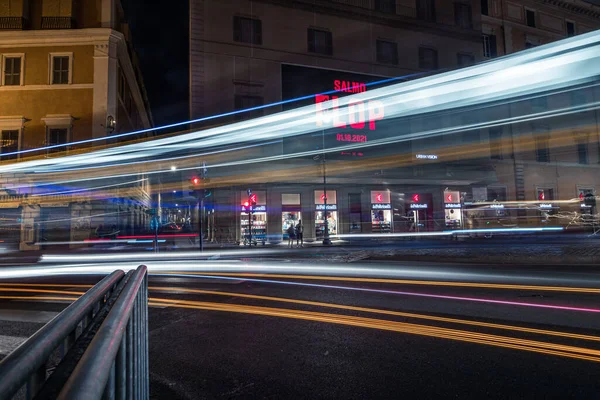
{"points": [[68, 74], [245, 54], [550, 161]]}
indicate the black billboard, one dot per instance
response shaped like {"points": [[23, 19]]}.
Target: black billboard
{"points": [[307, 86]]}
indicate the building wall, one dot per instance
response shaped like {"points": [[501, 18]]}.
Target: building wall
{"points": [[221, 67], [99, 42]]}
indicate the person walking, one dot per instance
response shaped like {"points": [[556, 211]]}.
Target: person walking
{"points": [[299, 234], [291, 234]]}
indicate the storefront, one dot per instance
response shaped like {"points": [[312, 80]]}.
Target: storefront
{"points": [[420, 212], [453, 216], [253, 219], [324, 211], [290, 212], [381, 212]]}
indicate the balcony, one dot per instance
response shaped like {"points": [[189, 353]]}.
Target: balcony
{"points": [[13, 23], [58, 23]]}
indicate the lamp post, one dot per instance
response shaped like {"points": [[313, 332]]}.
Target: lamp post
{"points": [[326, 239]]}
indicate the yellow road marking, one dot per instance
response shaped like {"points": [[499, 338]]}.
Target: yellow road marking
{"points": [[380, 311], [493, 340], [398, 281]]}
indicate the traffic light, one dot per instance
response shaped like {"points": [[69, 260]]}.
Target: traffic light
{"points": [[246, 204], [195, 181]]}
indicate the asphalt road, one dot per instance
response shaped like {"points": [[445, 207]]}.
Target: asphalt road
{"points": [[405, 330]]}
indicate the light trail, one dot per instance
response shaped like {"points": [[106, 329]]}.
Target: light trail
{"points": [[179, 290], [401, 293], [555, 66], [404, 282], [400, 327], [395, 326]]}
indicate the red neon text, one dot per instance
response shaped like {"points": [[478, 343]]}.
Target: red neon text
{"points": [[346, 137], [349, 87], [357, 113]]}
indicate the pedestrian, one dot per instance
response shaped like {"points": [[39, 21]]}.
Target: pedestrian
{"points": [[299, 234], [291, 234]]}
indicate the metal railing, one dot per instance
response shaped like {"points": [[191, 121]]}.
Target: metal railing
{"points": [[13, 23], [102, 343], [58, 23]]}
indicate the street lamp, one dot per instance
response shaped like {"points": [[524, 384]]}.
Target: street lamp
{"points": [[326, 239]]}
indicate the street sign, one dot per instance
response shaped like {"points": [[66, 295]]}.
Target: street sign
{"points": [[249, 191]]}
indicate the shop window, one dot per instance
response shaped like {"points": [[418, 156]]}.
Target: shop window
{"points": [[247, 30], [426, 10], [530, 18], [381, 211], [428, 58], [387, 52], [290, 199], [291, 214], [9, 143], [463, 16], [329, 195], [320, 41]]}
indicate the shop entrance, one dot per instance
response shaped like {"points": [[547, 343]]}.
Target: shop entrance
{"points": [[290, 215], [332, 219], [253, 220], [326, 208], [381, 212]]}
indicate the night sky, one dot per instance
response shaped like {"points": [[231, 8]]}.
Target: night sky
{"points": [[160, 37]]}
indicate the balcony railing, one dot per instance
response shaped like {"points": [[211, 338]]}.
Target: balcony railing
{"points": [[13, 23], [58, 23]]}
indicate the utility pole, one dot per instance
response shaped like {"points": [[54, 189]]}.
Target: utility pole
{"points": [[200, 194]]}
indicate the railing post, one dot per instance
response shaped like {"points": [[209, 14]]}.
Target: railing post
{"points": [[121, 370], [129, 380], [146, 341], [109, 390], [36, 381]]}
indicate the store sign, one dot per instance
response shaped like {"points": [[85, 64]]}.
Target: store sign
{"points": [[381, 206], [451, 197], [328, 207], [254, 209], [426, 157], [453, 205], [418, 206]]}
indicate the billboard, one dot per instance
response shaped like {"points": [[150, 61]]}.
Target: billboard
{"points": [[314, 87]]}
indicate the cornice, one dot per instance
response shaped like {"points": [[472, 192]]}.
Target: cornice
{"points": [[59, 37]]}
